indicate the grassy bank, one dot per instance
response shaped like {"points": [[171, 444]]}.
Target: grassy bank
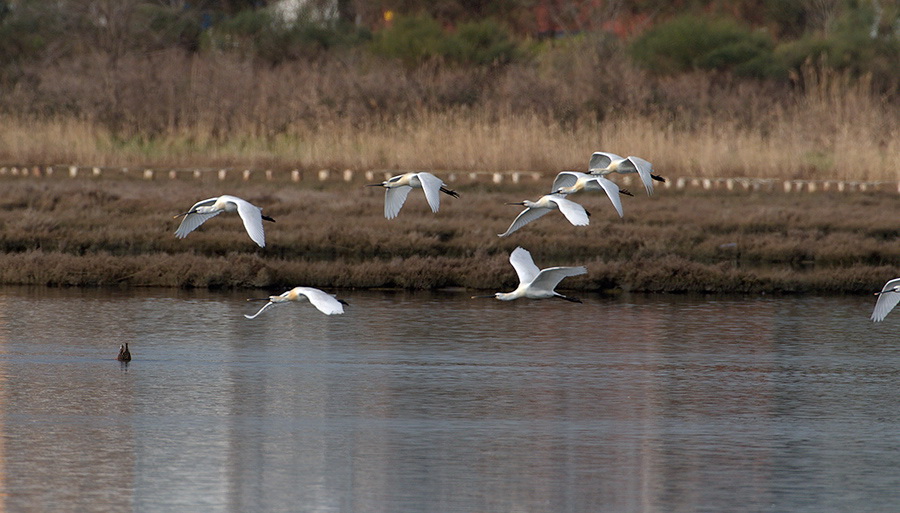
{"points": [[88, 232]]}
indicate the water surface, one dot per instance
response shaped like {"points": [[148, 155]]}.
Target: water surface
{"points": [[433, 402]]}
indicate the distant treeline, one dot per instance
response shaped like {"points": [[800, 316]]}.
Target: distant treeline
{"points": [[231, 82]]}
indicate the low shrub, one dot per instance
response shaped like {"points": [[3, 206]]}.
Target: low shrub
{"points": [[694, 42]]}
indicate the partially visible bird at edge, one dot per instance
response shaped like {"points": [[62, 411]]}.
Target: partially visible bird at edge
{"points": [[887, 300]]}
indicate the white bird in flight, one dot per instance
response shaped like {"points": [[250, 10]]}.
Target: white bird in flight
{"points": [[887, 300], [326, 303], [569, 182], [536, 283], [397, 189], [250, 214], [575, 213], [603, 163]]}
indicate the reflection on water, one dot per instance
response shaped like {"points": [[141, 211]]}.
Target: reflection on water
{"points": [[435, 402]]}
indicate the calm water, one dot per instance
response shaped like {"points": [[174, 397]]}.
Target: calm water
{"points": [[440, 403]]}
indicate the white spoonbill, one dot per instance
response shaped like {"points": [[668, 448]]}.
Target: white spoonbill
{"points": [[397, 189], [575, 213], [536, 283], [250, 214], [568, 182], [326, 303], [603, 163], [887, 300]]}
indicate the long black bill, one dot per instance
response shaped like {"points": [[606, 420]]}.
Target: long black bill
{"points": [[374, 185], [484, 297], [567, 298]]}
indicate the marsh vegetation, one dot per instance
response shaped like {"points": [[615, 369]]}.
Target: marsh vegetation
{"points": [[119, 232]]}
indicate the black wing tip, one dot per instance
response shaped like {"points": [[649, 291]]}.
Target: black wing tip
{"points": [[449, 192], [657, 178], [267, 218], [626, 192]]}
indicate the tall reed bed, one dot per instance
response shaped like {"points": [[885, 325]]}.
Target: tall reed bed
{"points": [[172, 109]]}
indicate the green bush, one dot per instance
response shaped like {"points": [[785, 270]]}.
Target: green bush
{"points": [[25, 31], [416, 39], [850, 46], [172, 26], [260, 33], [692, 42], [411, 39], [482, 42]]}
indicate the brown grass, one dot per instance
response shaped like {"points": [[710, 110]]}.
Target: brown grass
{"points": [[178, 110], [88, 232]]}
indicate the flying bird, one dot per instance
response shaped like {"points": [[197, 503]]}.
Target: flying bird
{"points": [[603, 163], [569, 182], [536, 283], [326, 303], [575, 213], [887, 300], [250, 214], [397, 189]]}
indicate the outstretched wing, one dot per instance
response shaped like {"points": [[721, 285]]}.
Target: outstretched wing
{"points": [[612, 191], [326, 303], [251, 215], [643, 168], [575, 213], [261, 310], [526, 216], [522, 262], [192, 221], [394, 197], [564, 179], [549, 278], [432, 187], [887, 300], [601, 160]]}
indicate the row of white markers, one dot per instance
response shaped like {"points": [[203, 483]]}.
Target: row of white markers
{"points": [[498, 177]]}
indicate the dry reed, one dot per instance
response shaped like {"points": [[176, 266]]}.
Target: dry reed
{"points": [[173, 109]]}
